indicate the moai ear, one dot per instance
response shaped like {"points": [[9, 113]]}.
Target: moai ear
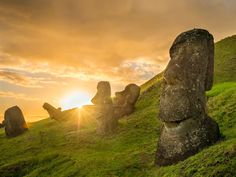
{"points": [[210, 67]]}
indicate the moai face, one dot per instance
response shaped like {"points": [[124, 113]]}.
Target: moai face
{"points": [[188, 75], [186, 127], [103, 95], [128, 96]]}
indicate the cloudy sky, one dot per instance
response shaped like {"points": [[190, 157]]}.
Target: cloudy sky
{"points": [[52, 50]]}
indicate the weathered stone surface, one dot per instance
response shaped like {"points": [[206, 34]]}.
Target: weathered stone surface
{"points": [[181, 140], [124, 101], [187, 76], [107, 122], [57, 114], [187, 128], [14, 122]]}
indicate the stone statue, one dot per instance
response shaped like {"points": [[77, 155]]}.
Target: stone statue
{"points": [[104, 106], [59, 115], [14, 122], [186, 126], [124, 101]]}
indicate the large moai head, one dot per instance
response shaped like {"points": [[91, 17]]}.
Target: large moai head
{"points": [[187, 76], [103, 95], [14, 122], [186, 126], [125, 100]]}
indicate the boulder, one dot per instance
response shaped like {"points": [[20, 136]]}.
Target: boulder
{"points": [[124, 101], [186, 126], [102, 101], [14, 122]]}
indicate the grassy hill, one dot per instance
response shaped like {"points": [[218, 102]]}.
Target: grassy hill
{"points": [[225, 60], [50, 148]]}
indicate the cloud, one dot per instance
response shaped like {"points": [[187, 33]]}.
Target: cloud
{"points": [[20, 96], [49, 47], [22, 78], [106, 33]]}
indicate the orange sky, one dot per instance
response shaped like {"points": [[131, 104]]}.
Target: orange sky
{"points": [[50, 48]]}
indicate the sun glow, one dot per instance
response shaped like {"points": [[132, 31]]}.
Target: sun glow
{"points": [[75, 99]]}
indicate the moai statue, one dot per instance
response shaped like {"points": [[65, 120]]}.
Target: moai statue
{"points": [[107, 122], [186, 126], [59, 115], [54, 113], [14, 122], [124, 102]]}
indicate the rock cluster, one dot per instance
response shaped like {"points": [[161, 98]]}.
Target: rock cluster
{"points": [[124, 101], [14, 122], [186, 126]]}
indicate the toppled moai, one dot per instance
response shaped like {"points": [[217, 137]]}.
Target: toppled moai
{"points": [[14, 122], [124, 101], [59, 115], [186, 126], [107, 122]]}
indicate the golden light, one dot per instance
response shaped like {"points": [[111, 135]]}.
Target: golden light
{"points": [[75, 99]]}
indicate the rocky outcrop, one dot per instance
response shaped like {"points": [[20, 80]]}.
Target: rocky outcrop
{"points": [[107, 122], [124, 101], [14, 122], [186, 126]]}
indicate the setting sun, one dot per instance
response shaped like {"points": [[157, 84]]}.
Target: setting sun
{"points": [[74, 99]]}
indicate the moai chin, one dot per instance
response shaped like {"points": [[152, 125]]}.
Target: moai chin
{"points": [[107, 122], [186, 126]]}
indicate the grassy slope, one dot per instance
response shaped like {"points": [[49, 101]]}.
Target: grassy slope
{"points": [[225, 60], [53, 149]]}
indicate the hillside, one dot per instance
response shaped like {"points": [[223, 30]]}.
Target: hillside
{"points": [[53, 149], [225, 60]]}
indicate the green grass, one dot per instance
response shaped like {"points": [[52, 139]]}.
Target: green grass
{"points": [[225, 60], [53, 149], [50, 148]]}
